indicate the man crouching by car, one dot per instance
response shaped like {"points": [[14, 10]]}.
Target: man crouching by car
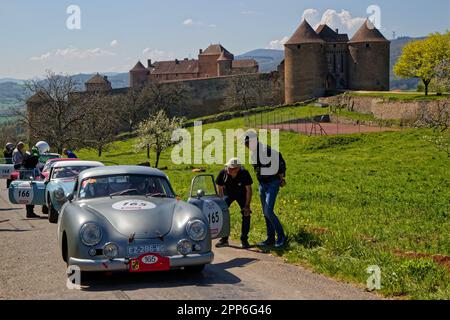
{"points": [[235, 184]]}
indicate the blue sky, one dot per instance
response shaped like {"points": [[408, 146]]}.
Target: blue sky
{"points": [[115, 34]]}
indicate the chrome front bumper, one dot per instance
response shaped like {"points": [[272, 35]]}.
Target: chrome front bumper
{"points": [[123, 264]]}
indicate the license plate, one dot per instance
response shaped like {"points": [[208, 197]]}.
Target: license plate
{"points": [[151, 248], [150, 262]]}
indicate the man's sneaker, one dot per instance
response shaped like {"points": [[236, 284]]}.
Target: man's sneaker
{"points": [[245, 245], [222, 244], [280, 243], [266, 243], [32, 216]]}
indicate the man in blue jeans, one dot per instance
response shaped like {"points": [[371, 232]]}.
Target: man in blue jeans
{"points": [[270, 169]]}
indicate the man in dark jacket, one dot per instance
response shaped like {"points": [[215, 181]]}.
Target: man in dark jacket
{"points": [[7, 154], [270, 169], [235, 184], [29, 163]]}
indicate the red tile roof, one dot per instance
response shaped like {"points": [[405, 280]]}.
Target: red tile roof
{"points": [[216, 49], [174, 67]]}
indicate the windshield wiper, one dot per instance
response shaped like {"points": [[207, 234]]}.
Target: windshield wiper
{"points": [[120, 193], [156, 195]]}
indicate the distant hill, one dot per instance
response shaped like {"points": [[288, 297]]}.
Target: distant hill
{"points": [[267, 59]]}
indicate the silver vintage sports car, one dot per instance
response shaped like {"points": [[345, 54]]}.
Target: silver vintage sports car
{"points": [[127, 218]]}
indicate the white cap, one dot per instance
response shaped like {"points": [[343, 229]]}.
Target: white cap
{"points": [[234, 163]]}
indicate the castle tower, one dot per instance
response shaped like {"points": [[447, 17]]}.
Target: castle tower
{"points": [[224, 65], [305, 65], [138, 75], [369, 59], [98, 84]]}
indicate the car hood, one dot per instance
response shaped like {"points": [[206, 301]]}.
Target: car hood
{"points": [[66, 184], [146, 218]]}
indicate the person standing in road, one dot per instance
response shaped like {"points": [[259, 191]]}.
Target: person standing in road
{"points": [[7, 154], [271, 177], [235, 184], [30, 163], [17, 155]]}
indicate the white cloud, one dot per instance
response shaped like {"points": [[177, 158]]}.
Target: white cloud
{"points": [[42, 57], [73, 53], [336, 20], [157, 55], [197, 23], [278, 44], [188, 22], [114, 43]]}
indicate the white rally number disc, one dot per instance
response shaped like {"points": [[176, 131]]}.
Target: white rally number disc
{"points": [[215, 216], [24, 193], [133, 205]]}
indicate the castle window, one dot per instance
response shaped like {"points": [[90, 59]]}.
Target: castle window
{"points": [[367, 45], [299, 46], [342, 63], [334, 45]]}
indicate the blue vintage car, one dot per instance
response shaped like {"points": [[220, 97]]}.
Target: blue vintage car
{"points": [[51, 193]]}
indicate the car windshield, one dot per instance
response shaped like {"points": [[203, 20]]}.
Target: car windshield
{"points": [[68, 172], [125, 185]]}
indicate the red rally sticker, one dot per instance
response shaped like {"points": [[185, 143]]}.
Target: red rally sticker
{"points": [[150, 262]]}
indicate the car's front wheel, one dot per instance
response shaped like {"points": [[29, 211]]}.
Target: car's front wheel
{"points": [[44, 209], [52, 214], [195, 269]]}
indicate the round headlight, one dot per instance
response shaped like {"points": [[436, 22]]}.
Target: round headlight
{"points": [[111, 250], [184, 247], [197, 230], [59, 194], [90, 234]]}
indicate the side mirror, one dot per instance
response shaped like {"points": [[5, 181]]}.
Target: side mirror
{"points": [[69, 197], [200, 193]]}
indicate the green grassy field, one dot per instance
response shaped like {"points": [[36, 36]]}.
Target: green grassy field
{"points": [[401, 95], [351, 202]]}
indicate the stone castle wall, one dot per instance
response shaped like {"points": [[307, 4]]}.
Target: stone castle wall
{"points": [[382, 108]]}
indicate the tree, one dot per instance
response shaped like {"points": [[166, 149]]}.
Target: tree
{"points": [[131, 108], [165, 96], [101, 124], [420, 58], [241, 92], [156, 133], [57, 112]]}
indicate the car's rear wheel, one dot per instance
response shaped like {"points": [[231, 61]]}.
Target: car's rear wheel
{"points": [[52, 214], [195, 269]]}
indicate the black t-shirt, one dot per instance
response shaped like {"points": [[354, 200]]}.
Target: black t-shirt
{"points": [[234, 187]]}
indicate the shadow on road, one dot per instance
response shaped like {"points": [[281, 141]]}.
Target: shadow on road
{"points": [[212, 275]]}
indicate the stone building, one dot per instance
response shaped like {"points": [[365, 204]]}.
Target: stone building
{"points": [[320, 62], [98, 83], [215, 61]]}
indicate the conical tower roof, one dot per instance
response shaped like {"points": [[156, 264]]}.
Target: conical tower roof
{"points": [[368, 33], [305, 34], [139, 67]]}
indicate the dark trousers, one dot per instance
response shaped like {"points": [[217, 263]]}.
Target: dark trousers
{"points": [[245, 219], [30, 209]]}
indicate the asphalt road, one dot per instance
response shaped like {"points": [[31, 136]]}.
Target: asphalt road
{"points": [[31, 267]]}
